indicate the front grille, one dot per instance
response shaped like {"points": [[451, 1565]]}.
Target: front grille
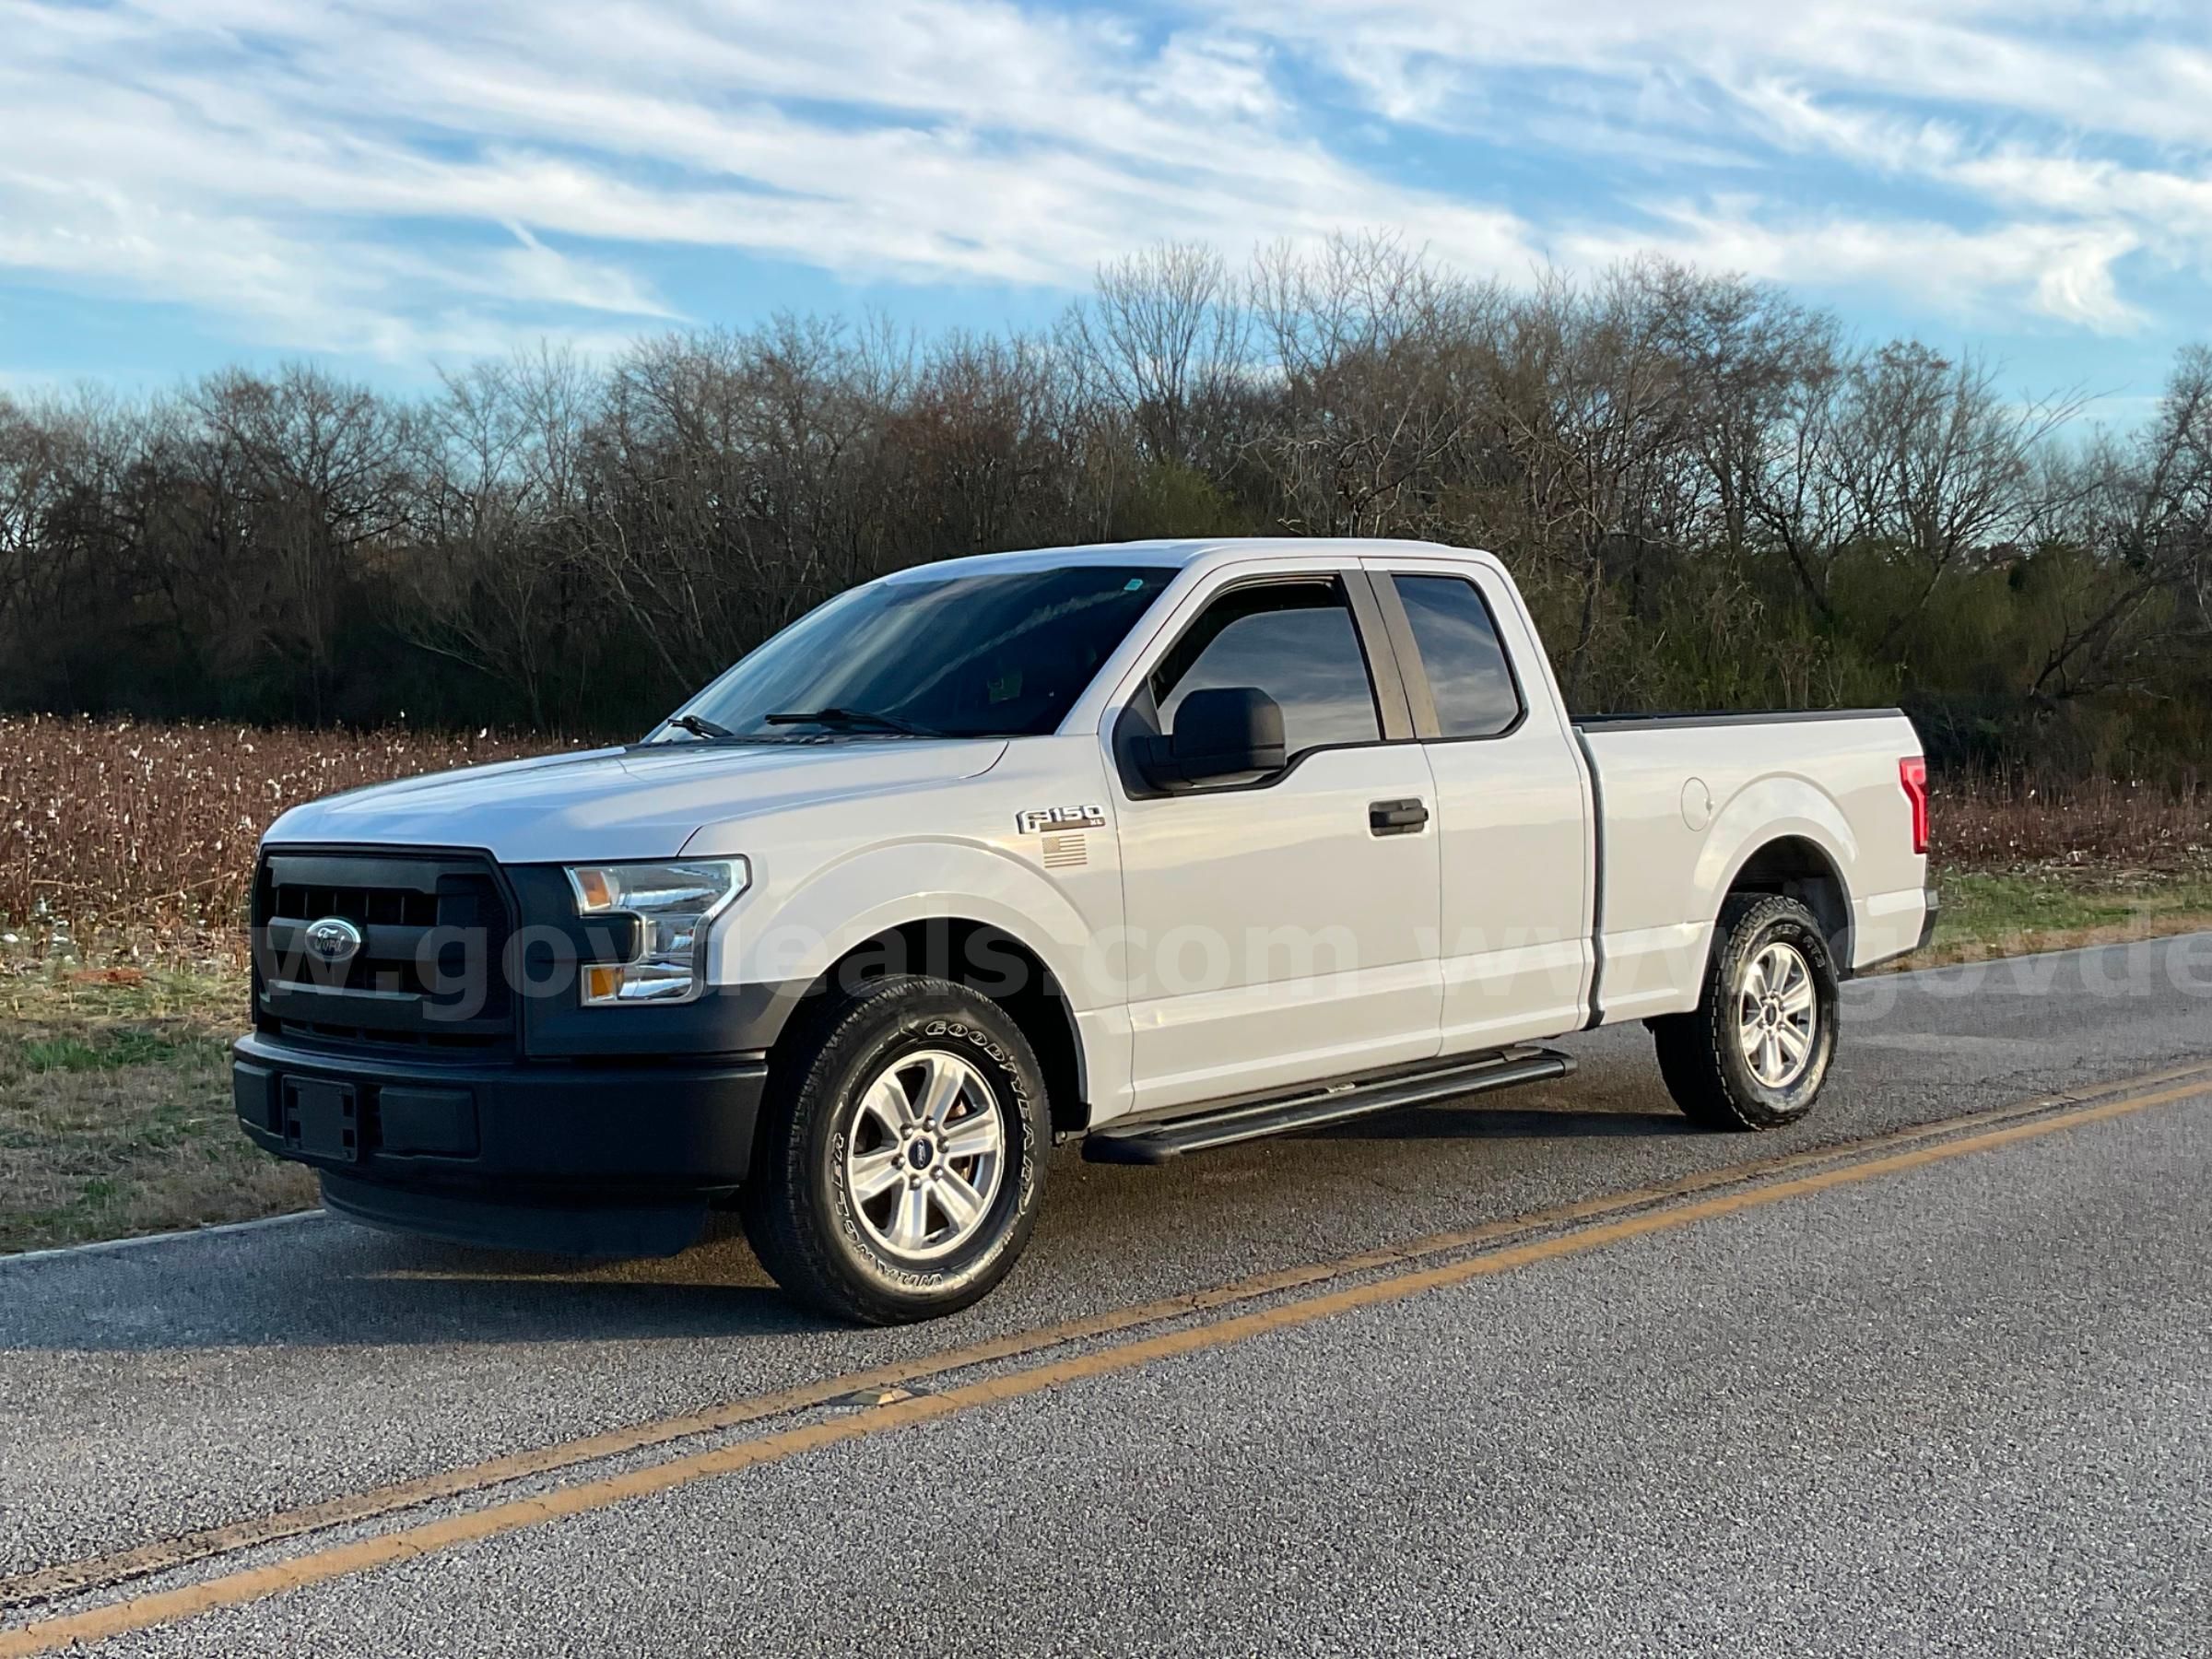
{"points": [[428, 975], [327, 1034], [390, 906]]}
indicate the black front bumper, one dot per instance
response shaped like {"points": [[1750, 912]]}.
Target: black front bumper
{"points": [[598, 1159]]}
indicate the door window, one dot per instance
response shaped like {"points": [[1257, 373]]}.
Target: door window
{"points": [[1295, 641], [1469, 678]]}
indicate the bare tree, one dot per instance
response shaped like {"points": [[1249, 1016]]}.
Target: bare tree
{"points": [[1171, 332], [1380, 382], [1707, 490]]}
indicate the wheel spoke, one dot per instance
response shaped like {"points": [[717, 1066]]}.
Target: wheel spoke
{"points": [[976, 1136], [1771, 1065], [1795, 1043], [909, 1219], [963, 1205], [1755, 979], [876, 1173], [1798, 998], [886, 1103], [941, 1086]]}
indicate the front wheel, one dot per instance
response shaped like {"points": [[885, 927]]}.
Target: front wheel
{"points": [[901, 1159], [1756, 1048]]}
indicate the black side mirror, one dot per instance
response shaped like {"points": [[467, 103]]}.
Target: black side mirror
{"points": [[1220, 732]]}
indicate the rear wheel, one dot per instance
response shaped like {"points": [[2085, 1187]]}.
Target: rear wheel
{"points": [[902, 1160], [1756, 1048]]}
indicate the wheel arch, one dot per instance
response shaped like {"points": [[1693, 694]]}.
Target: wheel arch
{"points": [[1783, 833], [994, 963], [1798, 866]]}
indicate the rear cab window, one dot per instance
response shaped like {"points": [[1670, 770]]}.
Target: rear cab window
{"points": [[1470, 678]]}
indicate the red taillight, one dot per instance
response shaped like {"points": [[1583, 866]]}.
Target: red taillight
{"points": [[1913, 772]]}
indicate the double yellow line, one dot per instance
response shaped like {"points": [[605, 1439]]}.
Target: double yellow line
{"points": [[1472, 1254]]}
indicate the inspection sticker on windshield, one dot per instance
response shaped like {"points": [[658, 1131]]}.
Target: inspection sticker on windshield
{"points": [[1038, 820]]}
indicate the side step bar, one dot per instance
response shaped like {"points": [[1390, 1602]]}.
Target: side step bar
{"points": [[1315, 1108]]}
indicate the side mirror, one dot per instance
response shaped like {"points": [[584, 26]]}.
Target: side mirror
{"points": [[1220, 733]]}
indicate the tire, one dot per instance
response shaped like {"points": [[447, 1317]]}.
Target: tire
{"points": [[1733, 1064], [848, 1107]]}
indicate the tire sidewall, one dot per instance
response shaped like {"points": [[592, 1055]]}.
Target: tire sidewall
{"points": [[930, 1019], [1788, 925]]}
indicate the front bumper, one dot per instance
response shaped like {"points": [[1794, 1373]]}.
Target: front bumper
{"points": [[595, 1158]]}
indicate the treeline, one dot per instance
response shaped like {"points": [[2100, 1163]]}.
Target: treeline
{"points": [[1712, 495]]}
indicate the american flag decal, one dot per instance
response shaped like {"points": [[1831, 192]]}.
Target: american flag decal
{"points": [[1064, 852]]}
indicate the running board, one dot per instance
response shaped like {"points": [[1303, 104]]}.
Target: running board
{"points": [[1315, 1108]]}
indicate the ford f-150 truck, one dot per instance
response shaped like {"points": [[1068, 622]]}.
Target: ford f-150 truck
{"points": [[1162, 845]]}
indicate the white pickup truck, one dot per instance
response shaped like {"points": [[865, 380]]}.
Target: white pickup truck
{"points": [[1161, 845]]}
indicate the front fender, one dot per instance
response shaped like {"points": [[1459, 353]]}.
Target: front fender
{"points": [[785, 935]]}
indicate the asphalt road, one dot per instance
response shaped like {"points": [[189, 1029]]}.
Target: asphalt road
{"points": [[1951, 1392]]}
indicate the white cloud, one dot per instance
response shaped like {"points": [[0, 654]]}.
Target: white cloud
{"points": [[2064, 272], [404, 178], [2026, 124], [254, 159], [2141, 70]]}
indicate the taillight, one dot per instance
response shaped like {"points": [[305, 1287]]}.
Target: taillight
{"points": [[1913, 772]]}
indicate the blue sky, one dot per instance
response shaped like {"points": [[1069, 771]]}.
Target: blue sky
{"points": [[395, 185]]}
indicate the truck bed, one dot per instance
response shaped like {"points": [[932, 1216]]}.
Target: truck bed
{"points": [[1683, 801]]}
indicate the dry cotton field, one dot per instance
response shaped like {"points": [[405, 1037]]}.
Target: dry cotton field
{"points": [[140, 837], [116, 831]]}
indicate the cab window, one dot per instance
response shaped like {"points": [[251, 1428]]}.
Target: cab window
{"points": [[1295, 641], [1469, 678]]}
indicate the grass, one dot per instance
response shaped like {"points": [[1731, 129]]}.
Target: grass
{"points": [[115, 1109], [1991, 913]]}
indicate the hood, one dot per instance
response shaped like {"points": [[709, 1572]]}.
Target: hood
{"points": [[614, 804]]}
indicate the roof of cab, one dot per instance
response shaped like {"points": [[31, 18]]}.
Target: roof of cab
{"points": [[1168, 555]]}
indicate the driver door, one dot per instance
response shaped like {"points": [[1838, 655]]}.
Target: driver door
{"points": [[1282, 929]]}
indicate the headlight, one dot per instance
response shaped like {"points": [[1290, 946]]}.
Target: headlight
{"points": [[672, 904]]}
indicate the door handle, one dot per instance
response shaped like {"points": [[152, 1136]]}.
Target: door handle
{"points": [[1397, 818]]}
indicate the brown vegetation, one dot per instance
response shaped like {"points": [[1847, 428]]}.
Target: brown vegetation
{"points": [[113, 829], [2001, 823], [123, 833]]}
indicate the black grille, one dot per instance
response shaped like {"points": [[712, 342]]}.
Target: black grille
{"points": [[428, 975], [367, 905]]}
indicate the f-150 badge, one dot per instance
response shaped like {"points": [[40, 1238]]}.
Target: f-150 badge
{"points": [[1038, 820]]}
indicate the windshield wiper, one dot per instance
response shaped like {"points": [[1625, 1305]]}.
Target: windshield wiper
{"points": [[855, 719], [699, 726]]}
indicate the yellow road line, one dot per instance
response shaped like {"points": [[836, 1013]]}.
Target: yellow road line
{"points": [[365, 1554], [46, 1583]]}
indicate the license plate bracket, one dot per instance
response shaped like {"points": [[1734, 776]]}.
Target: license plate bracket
{"points": [[322, 1120]]}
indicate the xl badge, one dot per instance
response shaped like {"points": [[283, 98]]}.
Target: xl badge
{"points": [[1038, 820]]}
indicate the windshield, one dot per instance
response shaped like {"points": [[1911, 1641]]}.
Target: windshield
{"points": [[964, 656]]}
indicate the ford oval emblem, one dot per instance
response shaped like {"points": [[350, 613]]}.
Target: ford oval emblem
{"points": [[334, 940]]}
